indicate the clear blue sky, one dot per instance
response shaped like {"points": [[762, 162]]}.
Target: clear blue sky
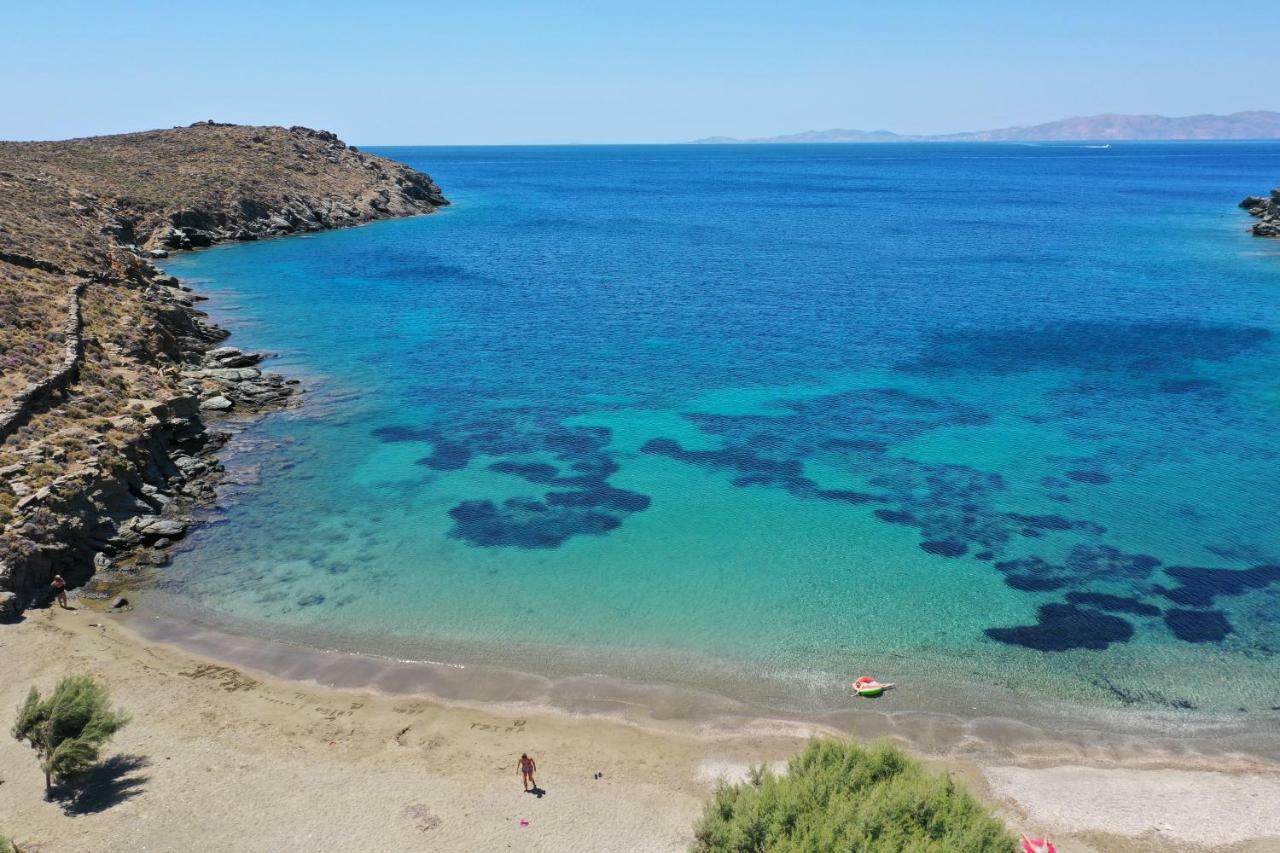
{"points": [[474, 71]]}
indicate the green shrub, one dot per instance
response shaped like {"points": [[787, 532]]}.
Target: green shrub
{"points": [[839, 795], [68, 728]]}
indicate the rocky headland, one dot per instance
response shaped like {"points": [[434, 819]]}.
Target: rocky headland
{"points": [[1267, 209], [112, 383]]}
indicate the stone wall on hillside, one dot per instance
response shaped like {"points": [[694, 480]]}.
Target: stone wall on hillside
{"points": [[37, 394]]}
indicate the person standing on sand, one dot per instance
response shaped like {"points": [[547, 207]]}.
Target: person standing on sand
{"points": [[60, 591], [526, 767]]}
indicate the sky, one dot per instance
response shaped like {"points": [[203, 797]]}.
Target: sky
{"points": [[559, 71]]}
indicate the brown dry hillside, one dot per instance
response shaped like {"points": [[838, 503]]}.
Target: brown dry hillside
{"points": [[104, 363]]}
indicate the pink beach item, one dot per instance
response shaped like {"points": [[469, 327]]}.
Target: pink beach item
{"points": [[868, 686], [1037, 845]]}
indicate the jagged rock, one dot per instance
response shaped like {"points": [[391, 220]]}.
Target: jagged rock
{"points": [[187, 464], [35, 497], [248, 359], [125, 537], [121, 603], [156, 498], [1267, 210], [164, 527], [184, 406], [216, 404], [232, 357], [150, 527], [101, 562], [226, 374], [9, 609], [175, 409]]}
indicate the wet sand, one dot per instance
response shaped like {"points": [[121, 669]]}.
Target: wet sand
{"points": [[933, 716], [242, 744]]}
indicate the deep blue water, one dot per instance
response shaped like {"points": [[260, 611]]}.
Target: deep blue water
{"points": [[1002, 412]]}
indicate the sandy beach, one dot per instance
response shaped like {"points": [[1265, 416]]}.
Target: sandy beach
{"points": [[229, 757]]}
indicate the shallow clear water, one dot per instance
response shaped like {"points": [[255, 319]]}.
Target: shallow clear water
{"points": [[743, 415]]}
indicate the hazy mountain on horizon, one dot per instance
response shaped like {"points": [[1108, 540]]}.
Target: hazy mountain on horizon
{"points": [[1253, 124]]}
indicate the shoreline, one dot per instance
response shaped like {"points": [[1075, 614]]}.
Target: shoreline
{"points": [[932, 715], [209, 732], [938, 721]]}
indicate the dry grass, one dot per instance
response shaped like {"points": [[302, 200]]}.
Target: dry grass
{"points": [[33, 306]]}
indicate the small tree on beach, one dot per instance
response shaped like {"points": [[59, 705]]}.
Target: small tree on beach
{"points": [[68, 728], [840, 795]]}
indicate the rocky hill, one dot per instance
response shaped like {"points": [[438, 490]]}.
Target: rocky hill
{"points": [[1267, 209], [108, 373]]}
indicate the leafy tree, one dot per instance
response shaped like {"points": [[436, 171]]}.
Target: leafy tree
{"points": [[839, 795], [68, 728]]}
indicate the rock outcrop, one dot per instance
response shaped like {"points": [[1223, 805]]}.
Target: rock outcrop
{"points": [[111, 380], [1267, 209]]}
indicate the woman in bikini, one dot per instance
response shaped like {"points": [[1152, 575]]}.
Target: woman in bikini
{"points": [[60, 590], [525, 767]]}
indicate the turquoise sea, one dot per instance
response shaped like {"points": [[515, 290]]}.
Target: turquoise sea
{"points": [[760, 419]]}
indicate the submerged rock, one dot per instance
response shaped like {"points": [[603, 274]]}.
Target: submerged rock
{"points": [[151, 557]]}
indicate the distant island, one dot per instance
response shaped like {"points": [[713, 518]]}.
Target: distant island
{"points": [[1255, 124]]}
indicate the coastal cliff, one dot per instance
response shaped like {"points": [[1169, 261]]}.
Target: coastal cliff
{"points": [[111, 381], [1267, 209]]}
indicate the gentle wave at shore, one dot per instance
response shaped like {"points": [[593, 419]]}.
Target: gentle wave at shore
{"points": [[941, 719]]}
